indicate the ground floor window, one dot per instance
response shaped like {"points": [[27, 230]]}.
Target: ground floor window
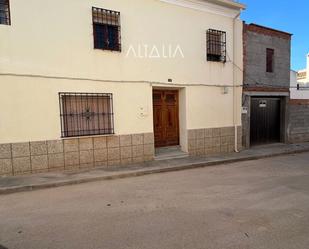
{"points": [[85, 114]]}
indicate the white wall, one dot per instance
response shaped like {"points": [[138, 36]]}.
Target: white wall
{"points": [[303, 92]]}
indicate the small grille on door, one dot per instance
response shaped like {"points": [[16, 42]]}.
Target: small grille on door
{"points": [[263, 103]]}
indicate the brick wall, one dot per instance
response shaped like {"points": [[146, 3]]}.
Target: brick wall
{"points": [[298, 128], [267, 31], [256, 39]]}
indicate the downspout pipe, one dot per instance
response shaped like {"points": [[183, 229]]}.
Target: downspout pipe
{"points": [[235, 107]]}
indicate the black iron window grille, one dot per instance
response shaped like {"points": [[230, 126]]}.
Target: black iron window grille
{"points": [[86, 114], [5, 12], [106, 29], [216, 45]]}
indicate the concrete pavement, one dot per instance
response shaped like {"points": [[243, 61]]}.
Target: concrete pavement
{"points": [[261, 204], [52, 179]]}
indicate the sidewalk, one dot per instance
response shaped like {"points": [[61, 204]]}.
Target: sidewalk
{"points": [[48, 180]]}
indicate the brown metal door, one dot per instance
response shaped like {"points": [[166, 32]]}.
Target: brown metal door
{"points": [[166, 118], [265, 121]]}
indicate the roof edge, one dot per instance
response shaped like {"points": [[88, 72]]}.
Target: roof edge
{"points": [[229, 3], [271, 29]]}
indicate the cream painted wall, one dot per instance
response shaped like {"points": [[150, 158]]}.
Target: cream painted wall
{"points": [[54, 38], [209, 107], [29, 107], [183, 124]]}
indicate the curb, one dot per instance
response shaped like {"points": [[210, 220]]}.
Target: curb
{"points": [[11, 190]]}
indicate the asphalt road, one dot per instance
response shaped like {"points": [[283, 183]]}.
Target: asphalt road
{"points": [[255, 204]]}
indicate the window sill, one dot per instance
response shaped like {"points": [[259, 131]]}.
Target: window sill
{"points": [[88, 136], [217, 61], [107, 50]]}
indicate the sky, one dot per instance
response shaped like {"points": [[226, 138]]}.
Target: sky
{"points": [[291, 16]]}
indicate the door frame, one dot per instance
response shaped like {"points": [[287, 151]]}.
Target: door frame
{"points": [[174, 90], [284, 99]]}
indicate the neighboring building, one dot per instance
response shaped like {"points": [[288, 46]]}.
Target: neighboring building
{"points": [[267, 55], [298, 130], [299, 88], [89, 83], [303, 75]]}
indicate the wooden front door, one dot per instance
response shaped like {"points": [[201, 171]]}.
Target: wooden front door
{"points": [[166, 118]]}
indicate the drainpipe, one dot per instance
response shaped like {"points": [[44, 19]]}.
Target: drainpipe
{"points": [[235, 107]]}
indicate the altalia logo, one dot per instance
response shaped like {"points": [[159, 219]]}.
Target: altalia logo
{"points": [[145, 51]]}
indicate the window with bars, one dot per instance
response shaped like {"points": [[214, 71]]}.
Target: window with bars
{"points": [[270, 60], [106, 29], [86, 114], [5, 12], [216, 45]]}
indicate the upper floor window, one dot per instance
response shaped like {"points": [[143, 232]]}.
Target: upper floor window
{"points": [[216, 45], [106, 29], [5, 12], [270, 60], [85, 114]]}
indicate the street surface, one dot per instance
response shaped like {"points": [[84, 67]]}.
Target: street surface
{"points": [[261, 204]]}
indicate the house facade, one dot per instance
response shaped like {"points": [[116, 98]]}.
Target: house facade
{"points": [[101, 83], [267, 55]]}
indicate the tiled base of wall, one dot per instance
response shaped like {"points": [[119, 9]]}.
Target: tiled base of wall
{"points": [[76, 153], [213, 141]]}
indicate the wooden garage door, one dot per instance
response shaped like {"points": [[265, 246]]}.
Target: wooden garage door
{"points": [[166, 118], [265, 121]]}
